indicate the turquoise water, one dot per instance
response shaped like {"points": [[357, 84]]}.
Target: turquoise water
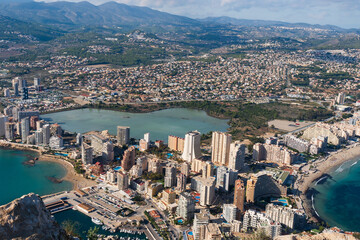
{"points": [[339, 196], [18, 179], [159, 124], [84, 223]]}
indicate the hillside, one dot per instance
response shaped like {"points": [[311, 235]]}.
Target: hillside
{"points": [[85, 13]]}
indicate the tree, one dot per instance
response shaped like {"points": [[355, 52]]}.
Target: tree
{"points": [[92, 233], [70, 228]]}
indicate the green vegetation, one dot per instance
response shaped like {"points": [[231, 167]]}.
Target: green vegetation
{"points": [[92, 233], [70, 228], [163, 232], [246, 120]]}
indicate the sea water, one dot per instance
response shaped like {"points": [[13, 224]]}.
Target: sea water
{"points": [[17, 178], [338, 198]]}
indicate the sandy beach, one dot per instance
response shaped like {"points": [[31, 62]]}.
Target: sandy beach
{"points": [[77, 180], [324, 166]]}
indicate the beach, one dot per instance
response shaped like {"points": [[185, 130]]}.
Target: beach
{"points": [[321, 167], [77, 180]]}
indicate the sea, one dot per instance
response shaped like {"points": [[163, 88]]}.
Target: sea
{"points": [[160, 124], [337, 197], [18, 178]]}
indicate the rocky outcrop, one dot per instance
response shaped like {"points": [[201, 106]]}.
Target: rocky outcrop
{"points": [[321, 236], [27, 218]]}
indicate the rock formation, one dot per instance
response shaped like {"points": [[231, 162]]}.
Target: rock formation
{"points": [[27, 218]]}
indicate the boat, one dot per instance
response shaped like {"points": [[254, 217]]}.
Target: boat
{"points": [[96, 221]]}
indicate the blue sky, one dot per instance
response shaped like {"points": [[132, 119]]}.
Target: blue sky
{"points": [[343, 13]]}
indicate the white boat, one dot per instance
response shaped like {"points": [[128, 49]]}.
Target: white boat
{"points": [[96, 221]]}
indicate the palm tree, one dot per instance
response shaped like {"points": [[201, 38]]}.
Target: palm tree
{"points": [[70, 228], [92, 233]]}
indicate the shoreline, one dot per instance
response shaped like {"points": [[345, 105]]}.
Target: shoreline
{"points": [[323, 168], [77, 180]]}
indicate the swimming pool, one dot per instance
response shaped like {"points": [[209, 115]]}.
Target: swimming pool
{"points": [[117, 168], [180, 221]]}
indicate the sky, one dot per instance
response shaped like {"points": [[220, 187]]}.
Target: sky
{"points": [[343, 13]]}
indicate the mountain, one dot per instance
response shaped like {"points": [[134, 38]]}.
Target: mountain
{"points": [[27, 218], [85, 14], [263, 23], [13, 29]]}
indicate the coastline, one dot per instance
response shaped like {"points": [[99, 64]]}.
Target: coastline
{"points": [[77, 180], [323, 167]]}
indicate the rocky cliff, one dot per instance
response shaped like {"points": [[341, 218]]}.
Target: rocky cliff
{"points": [[27, 218]]}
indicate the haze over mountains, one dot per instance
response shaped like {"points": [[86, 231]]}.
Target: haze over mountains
{"points": [[116, 14]]}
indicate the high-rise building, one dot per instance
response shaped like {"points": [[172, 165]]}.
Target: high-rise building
{"points": [[46, 132], [33, 120], [9, 131], [128, 159], [186, 206], [7, 93], [39, 137], [340, 99], [154, 165], [147, 137], [176, 143], [25, 129], [122, 181], [22, 83], [258, 220], [16, 89], [225, 178], [36, 82], [143, 162], [261, 185], [56, 142], [123, 135], [79, 139], [143, 145], [170, 176], [3, 120], [274, 153], [292, 218], [23, 114], [237, 156], [86, 154], [25, 93], [229, 212], [55, 129], [192, 146], [220, 148], [181, 182], [111, 176], [207, 191], [239, 197], [200, 219], [185, 169], [40, 124], [208, 169]]}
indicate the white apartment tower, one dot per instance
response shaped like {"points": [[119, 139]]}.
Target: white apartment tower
{"points": [[192, 146], [236, 156], [220, 148]]}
